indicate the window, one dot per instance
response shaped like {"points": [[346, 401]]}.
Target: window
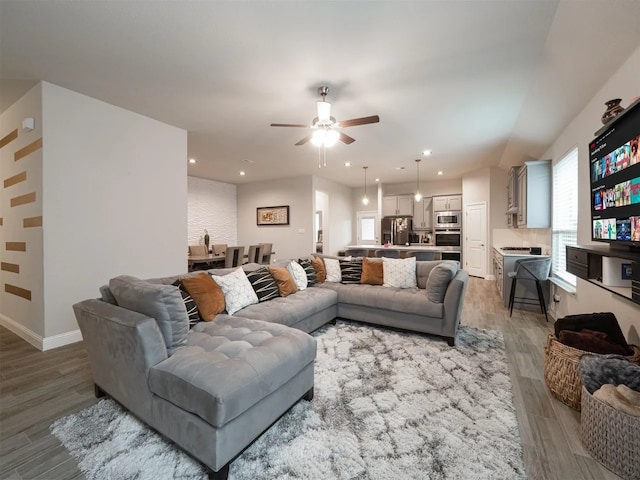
{"points": [[565, 213]]}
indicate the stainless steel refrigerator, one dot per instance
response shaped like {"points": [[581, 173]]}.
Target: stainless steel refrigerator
{"points": [[396, 230]]}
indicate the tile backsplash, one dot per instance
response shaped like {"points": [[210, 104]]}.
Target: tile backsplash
{"points": [[523, 237]]}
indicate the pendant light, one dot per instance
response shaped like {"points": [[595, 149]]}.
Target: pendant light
{"points": [[365, 199], [418, 195]]}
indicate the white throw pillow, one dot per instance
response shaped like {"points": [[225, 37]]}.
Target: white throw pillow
{"points": [[298, 274], [237, 290], [332, 265], [399, 272]]}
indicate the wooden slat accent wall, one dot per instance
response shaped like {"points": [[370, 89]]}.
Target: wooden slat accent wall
{"points": [[32, 147], [10, 267], [16, 246], [20, 292], [22, 199], [32, 222], [10, 137], [21, 177]]}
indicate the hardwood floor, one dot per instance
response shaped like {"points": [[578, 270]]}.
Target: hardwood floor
{"points": [[38, 387]]}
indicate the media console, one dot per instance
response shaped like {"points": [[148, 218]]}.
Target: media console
{"points": [[585, 262]]}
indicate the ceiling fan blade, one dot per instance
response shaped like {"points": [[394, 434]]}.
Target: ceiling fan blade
{"points": [[304, 140], [359, 121], [346, 138], [289, 125]]}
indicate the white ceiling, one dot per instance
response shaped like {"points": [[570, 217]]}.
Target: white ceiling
{"points": [[478, 82]]}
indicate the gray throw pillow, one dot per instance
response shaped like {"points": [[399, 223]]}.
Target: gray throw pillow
{"points": [[161, 302], [439, 279]]}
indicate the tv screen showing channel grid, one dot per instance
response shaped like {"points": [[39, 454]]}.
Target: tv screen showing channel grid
{"points": [[615, 180]]}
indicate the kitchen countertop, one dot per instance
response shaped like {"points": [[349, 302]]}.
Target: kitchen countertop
{"points": [[516, 253], [412, 246]]}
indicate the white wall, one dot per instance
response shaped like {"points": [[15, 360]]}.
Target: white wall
{"points": [[17, 313], [289, 241], [589, 298], [339, 217], [212, 206], [115, 199]]}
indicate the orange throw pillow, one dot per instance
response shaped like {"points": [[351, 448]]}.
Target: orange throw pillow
{"points": [[286, 283], [371, 272], [318, 266], [206, 293]]}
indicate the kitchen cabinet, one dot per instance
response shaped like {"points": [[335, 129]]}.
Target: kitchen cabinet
{"points": [[512, 192], [447, 203], [422, 214], [533, 190], [397, 205]]}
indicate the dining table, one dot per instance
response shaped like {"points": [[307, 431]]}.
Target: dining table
{"points": [[193, 260]]}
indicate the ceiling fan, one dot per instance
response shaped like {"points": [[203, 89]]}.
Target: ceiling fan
{"points": [[325, 128]]}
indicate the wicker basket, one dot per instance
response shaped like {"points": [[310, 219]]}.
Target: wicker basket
{"points": [[611, 436], [561, 370]]}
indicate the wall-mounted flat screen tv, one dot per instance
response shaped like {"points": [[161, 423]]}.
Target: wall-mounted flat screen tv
{"points": [[615, 181]]}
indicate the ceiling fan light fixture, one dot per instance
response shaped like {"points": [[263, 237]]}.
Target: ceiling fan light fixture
{"points": [[324, 112]]}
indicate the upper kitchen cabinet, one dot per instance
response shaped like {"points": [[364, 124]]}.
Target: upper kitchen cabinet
{"points": [[397, 205], [422, 214], [533, 189], [447, 203], [512, 193]]}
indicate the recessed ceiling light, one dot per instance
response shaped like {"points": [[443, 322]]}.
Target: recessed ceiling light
{"points": [[377, 179], [242, 173], [399, 168], [347, 164], [426, 153], [192, 160], [440, 172], [246, 160]]}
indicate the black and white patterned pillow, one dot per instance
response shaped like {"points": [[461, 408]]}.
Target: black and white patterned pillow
{"points": [[312, 278], [351, 270], [190, 305], [263, 284]]}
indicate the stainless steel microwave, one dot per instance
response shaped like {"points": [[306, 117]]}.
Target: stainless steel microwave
{"points": [[448, 220]]}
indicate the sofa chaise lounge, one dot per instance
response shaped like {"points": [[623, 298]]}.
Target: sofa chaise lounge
{"points": [[213, 389]]}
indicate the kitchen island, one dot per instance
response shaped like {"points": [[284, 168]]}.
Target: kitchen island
{"points": [[446, 253]]}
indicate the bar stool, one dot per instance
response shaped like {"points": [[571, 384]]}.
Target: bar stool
{"points": [[356, 252], [530, 270], [386, 252], [422, 255]]}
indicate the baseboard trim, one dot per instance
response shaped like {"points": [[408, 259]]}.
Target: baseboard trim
{"points": [[41, 343]]}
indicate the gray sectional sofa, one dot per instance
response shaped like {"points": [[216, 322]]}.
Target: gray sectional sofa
{"points": [[214, 388]]}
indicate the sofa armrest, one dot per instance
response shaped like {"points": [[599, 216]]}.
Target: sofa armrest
{"points": [[122, 346], [453, 300]]}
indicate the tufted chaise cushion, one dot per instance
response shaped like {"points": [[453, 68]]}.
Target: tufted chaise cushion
{"points": [[229, 365]]}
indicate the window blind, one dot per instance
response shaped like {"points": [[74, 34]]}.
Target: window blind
{"points": [[565, 213]]}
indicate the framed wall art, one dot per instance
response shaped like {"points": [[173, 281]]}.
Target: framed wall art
{"points": [[272, 215]]}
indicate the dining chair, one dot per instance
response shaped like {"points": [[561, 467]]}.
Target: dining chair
{"points": [[233, 257], [530, 270], [266, 254], [423, 255], [256, 253], [219, 248], [387, 252], [197, 250]]}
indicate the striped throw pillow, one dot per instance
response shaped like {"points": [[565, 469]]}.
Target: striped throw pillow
{"points": [[189, 304], [351, 270], [312, 278], [264, 284]]}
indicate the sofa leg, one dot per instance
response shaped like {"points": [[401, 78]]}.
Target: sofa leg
{"points": [[221, 474], [98, 392], [309, 395], [451, 341]]}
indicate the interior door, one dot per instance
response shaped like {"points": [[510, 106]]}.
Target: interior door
{"points": [[475, 239], [368, 228]]}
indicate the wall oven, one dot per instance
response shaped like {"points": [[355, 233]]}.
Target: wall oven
{"points": [[448, 238], [448, 220]]}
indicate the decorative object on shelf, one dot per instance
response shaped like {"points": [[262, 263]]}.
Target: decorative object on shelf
{"points": [[365, 199], [418, 195], [206, 239], [272, 215], [613, 110]]}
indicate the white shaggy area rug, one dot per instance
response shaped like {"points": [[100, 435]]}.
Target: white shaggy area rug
{"points": [[388, 405]]}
